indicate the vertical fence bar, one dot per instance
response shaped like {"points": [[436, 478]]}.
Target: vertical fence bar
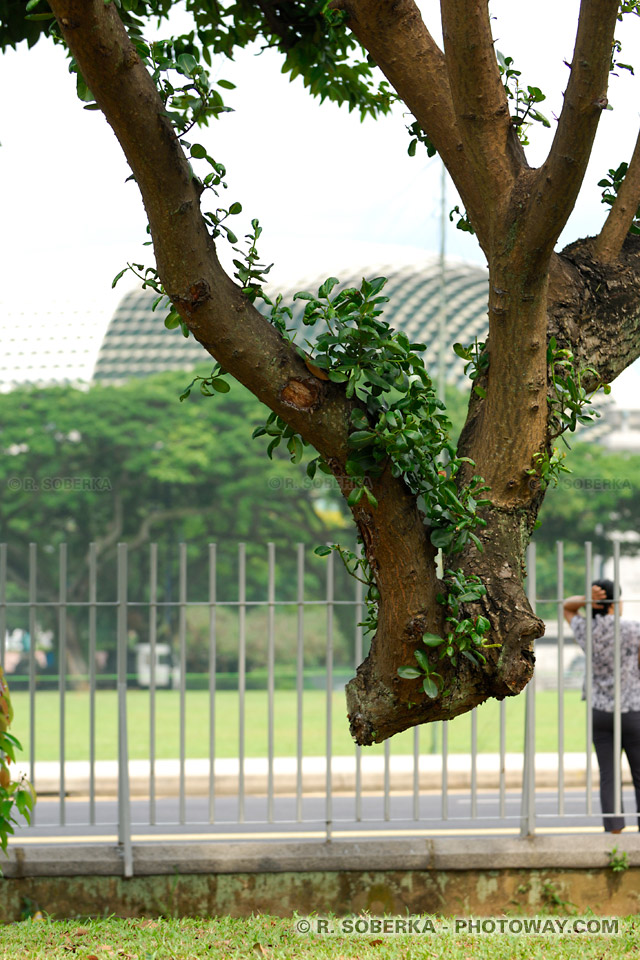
{"points": [[416, 773], [445, 771], [93, 599], [617, 724], [62, 668], [33, 575], [474, 764], [329, 743], [503, 759], [528, 805], [242, 658], [212, 679], [588, 562], [299, 676], [124, 808], [182, 635], [271, 634], [387, 778], [560, 614], [3, 601], [153, 637], [359, 655]]}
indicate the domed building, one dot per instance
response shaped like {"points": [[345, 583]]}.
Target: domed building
{"points": [[137, 343], [432, 309]]}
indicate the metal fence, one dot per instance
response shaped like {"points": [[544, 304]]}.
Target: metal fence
{"points": [[425, 785]]}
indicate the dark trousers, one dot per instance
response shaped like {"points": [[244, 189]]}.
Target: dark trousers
{"points": [[603, 743]]}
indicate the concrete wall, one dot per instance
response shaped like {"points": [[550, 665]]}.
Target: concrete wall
{"points": [[451, 876]]}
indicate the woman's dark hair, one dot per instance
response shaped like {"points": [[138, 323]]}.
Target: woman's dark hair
{"points": [[600, 609]]}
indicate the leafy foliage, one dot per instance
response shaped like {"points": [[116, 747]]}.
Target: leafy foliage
{"points": [[524, 100], [15, 795], [568, 398], [463, 223], [477, 362], [418, 135], [612, 183], [465, 636], [313, 39], [399, 417]]}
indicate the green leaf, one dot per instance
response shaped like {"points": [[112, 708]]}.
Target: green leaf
{"points": [[361, 438], [423, 660], [235, 208], [327, 287], [430, 687], [355, 496], [81, 87], [432, 639], [409, 673], [226, 84], [441, 537], [322, 551], [461, 351], [198, 152], [470, 656], [187, 62], [370, 497], [295, 448]]}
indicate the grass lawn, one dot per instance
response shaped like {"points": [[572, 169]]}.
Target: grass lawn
{"points": [[274, 937], [47, 725]]}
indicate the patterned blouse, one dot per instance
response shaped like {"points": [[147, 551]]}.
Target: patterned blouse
{"points": [[602, 647]]}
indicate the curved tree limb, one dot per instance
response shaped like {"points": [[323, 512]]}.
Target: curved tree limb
{"points": [[397, 38], [608, 243], [559, 179], [594, 307], [221, 317], [480, 103]]}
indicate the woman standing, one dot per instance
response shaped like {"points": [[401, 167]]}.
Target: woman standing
{"points": [[602, 689]]}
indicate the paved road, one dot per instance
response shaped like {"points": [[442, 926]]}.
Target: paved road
{"points": [[398, 816]]}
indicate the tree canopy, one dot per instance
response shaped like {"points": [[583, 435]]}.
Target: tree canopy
{"points": [[561, 324], [130, 463]]}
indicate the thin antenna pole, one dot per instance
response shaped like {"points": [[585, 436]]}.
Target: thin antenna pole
{"points": [[442, 309]]}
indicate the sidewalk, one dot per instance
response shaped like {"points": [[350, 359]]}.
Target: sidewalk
{"points": [[401, 774]]}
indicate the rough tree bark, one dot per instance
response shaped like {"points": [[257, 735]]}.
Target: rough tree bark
{"points": [[587, 297]]}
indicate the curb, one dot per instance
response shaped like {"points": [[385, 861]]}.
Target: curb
{"points": [[432, 854], [460, 775]]}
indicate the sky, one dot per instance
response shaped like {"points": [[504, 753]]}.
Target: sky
{"points": [[327, 189]]}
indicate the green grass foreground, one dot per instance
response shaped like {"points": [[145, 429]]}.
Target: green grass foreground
{"points": [[275, 938], [47, 725]]}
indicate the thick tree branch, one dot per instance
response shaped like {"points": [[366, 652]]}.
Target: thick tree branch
{"points": [[480, 102], [594, 308], [213, 306], [243, 341], [395, 35], [608, 243], [559, 179]]}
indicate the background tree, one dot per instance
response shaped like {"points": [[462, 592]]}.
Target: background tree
{"points": [[559, 324], [130, 463]]}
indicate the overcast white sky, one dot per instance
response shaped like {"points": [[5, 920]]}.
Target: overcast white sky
{"points": [[327, 189]]}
